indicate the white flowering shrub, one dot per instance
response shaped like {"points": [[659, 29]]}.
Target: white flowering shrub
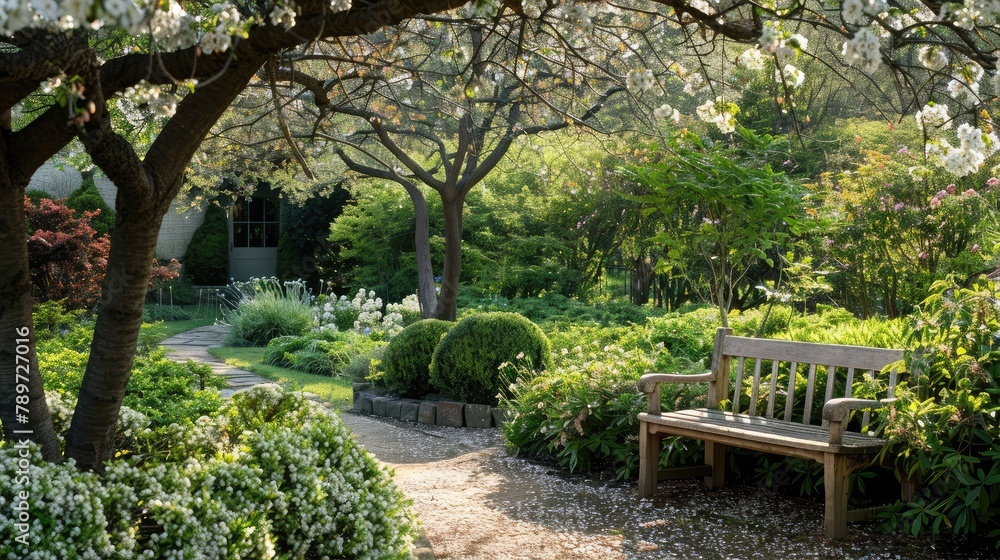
{"points": [[271, 475], [364, 314]]}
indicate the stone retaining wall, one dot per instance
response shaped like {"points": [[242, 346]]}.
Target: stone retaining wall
{"points": [[430, 410]]}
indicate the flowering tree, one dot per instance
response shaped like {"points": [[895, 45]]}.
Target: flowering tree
{"points": [[184, 66]]}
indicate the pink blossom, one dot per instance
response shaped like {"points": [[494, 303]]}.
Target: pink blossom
{"points": [[903, 151], [951, 188], [992, 182], [971, 192], [941, 194], [974, 248], [922, 255], [899, 206], [935, 202]]}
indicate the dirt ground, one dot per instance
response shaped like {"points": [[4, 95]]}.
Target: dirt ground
{"points": [[477, 502]]}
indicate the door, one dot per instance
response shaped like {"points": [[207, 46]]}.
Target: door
{"points": [[254, 230]]}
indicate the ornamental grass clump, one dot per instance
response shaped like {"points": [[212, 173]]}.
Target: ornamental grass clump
{"points": [[270, 475], [265, 308], [465, 365]]}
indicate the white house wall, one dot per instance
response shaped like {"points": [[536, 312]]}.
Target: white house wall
{"points": [[176, 231]]}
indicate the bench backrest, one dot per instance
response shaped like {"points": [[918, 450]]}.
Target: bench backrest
{"points": [[827, 369]]}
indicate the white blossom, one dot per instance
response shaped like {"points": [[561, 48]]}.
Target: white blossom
{"points": [[862, 51], [933, 115], [751, 59], [790, 76], [719, 113], [664, 112], [933, 58], [639, 81]]}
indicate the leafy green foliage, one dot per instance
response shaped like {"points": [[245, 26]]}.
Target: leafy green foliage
{"points": [[321, 352], [303, 246], [466, 363], [406, 363], [894, 233], [724, 209], [943, 431], [87, 199], [583, 411], [206, 261]]}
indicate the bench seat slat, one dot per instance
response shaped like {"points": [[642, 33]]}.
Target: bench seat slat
{"points": [[755, 431]]}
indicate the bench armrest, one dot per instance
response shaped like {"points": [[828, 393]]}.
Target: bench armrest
{"points": [[650, 385], [836, 412]]}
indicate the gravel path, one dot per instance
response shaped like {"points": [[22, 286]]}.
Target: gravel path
{"points": [[478, 503]]}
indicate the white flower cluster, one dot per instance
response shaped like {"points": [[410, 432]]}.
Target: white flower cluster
{"points": [[718, 112], [776, 41], [966, 158], [283, 15], [664, 112], [855, 11], [862, 51], [933, 116], [366, 310], [966, 82], [933, 58], [284, 478], [752, 59], [639, 81], [173, 28], [790, 76], [227, 23], [410, 304], [695, 83]]}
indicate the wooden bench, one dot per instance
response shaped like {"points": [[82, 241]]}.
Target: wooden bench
{"points": [[774, 417]]}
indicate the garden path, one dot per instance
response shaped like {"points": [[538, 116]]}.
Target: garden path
{"points": [[194, 345], [477, 502]]}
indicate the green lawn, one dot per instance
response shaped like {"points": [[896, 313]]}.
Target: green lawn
{"points": [[336, 390]]}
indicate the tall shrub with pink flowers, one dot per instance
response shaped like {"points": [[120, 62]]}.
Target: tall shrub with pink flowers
{"points": [[899, 228]]}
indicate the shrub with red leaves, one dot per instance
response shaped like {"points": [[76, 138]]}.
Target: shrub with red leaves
{"points": [[66, 256]]}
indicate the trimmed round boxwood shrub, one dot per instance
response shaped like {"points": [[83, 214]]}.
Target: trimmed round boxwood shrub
{"points": [[406, 363], [466, 363]]}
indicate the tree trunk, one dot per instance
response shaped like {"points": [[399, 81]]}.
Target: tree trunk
{"points": [[642, 279], [90, 440], [23, 409], [426, 293], [447, 306]]}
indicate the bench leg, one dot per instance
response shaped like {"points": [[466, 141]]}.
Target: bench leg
{"points": [[715, 457], [649, 458], [835, 471]]}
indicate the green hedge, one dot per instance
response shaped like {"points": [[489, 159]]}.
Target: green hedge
{"points": [[466, 363], [406, 363], [206, 261]]}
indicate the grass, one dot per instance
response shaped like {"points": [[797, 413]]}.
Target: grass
{"points": [[170, 328], [336, 390]]}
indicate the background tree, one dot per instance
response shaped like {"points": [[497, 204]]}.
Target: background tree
{"points": [[726, 210]]}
